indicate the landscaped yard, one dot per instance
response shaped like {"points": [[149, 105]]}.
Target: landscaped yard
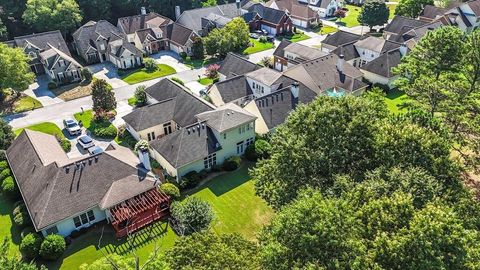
{"points": [[392, 8], [258, 46], [396, 101], [45, 127], [205, 81], [12, 104], [351, 19], [198, 63], [73, 91], [327, 30], [296, 37], [141, 75], [86, 117], [231, 195]]}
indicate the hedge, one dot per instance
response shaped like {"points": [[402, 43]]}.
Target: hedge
{"points": [[3, 165], [232, 163], [5, 173], [19, 208], [190, 180], [26, 231], [66, 145], [10, 189], [30, 245], [171, 190], [52, 247], [22, 219]]}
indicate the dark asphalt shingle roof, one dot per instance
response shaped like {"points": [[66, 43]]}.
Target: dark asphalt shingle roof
{"points": [[383, 65], [151, 115], [193, 18], [235, 64], [431, 12], [186, 105], [134, 23], [177, 33], [267, 14], [226, 117], [275, 107], [42, 41], [87, 34], [52, 193], [340, 38], [234, 88], [400, 25]]}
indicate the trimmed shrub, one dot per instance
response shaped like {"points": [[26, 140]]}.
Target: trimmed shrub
{"points": [[30, 245], [232, 163], [3, 165], [140, 96], [22, 219], [183, 55], [154, 163], [3, 155], [52, 85], [190, 180], [262, 149], [203, 174], [86, 74], [5, 173], [66, 145], [10, 189], [263, 39], [177, 80], [52, 247], [103, 129], [142, 145], [19, 209], [192, 215], [250, 153], [26, 231], [150, 64], [171, 190], [384, 87]]}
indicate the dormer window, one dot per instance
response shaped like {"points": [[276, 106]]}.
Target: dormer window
{"points": [[102, 47], [61, 63], [32, 55]]}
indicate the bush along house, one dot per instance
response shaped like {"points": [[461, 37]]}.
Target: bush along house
{"points": [[65, 195], [49, 55], [188, 134]]}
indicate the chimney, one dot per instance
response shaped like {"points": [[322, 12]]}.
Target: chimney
{"points": [[340, 62], [294, 89], [143, 11], [238, 4], [144, 157], [177, 12]]}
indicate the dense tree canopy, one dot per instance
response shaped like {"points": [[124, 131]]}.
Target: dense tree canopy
{"points": [[47, 15], [15, 72], [95, 9], [234, 37], [3, 31], [344, 136], [411, 8], [374, 12], [103, 97]]}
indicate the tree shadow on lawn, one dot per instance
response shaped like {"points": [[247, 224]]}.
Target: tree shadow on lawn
{"points": [[6, 208], [229, 181]]}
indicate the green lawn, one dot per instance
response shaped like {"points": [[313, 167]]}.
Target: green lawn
{"points": [[26, 103], [86, 117], [351, 19], [258, 46], [45, 127], [327, 30], [198, 63], [132, 101], [295, 37], [231, 195], [396, 101], [392, 8], [141, 75], [206, 81], [7, 229]]}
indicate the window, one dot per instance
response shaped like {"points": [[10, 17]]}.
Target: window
{"points": [[210, 161], [167, 128], [52, 230], [84, 219], [240, 148], [224, 136], [91, 215], [151, 136], [61, 63], [102, 47], [253, 85], [249, 141], [77, 222]]}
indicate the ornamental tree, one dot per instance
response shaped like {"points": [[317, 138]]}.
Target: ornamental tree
{"points": [[103, 97], [15, 72], [374, 12], [192, 215], [412, 8]]}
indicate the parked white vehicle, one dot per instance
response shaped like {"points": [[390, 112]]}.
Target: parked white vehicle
{"points": [[86, 142], [72, 127]]}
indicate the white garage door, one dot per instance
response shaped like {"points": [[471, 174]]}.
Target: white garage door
{"points": [[299, 23], [269, 29]]}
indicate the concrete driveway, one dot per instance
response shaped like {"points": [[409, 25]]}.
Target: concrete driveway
{"points": [[170, 58], [108, 72], [39, 90]]}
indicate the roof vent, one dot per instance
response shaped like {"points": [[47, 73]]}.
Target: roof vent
{"points": [[96, 159], [203, 126], [90, 160], [188, 130], [67, 169], [77, 166]]}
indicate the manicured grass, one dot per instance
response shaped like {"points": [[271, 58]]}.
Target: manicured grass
{"points": [[7, 228], [295, 37], [45, 127], [141, 75], [205, 81], [351, 19], [86, 117], [132, 101], [327, 30], [14, 104], [232, 196], [258, 46], [396, 101], [392, 8], [198, 63]]}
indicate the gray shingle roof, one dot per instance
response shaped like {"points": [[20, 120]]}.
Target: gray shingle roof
{"points": [[340, 38], [226, 117], [234, 88], [187, 144], [87, 34], [267, 14], [235, 64], [52, 193], [475, 6], [193, 18], [264, 75], [348, 51], [383, 65], [400, 25], [186, 104], [177, 33], [431, 12], [42, 41], [151, 115], [275, 107]]}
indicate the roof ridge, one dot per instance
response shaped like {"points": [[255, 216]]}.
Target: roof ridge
{"points": [[38, 34]]}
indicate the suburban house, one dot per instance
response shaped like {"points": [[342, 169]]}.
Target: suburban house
{"points": [[431, 13], [399, 25], [235, 65], [288, 54], [152, 33], [49, 55], [101, 41], [466, 16], [203, 20], [63, 195], [186, 133], [338, 39], [324, 8], [302, 14], [274, 21], [380, 69]]}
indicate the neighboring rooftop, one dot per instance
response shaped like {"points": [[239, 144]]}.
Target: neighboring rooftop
{"points": [[383, 65], [134, 23], [431, 12], [88, 33], [177, 33], [234, 88], [400, 25], [193, 18], [43, 41], [304, 52], [235, 64], [226, 117], [268, 14], [55, 187], [340, 38], [264, 75]]}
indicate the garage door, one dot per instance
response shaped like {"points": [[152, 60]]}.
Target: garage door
{"points": [[299, 23], [269, 29]]}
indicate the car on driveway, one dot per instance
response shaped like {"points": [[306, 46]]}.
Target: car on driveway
{"points": [[95, 150], [72, 127], [254, 35], [85, 142], [261, 32]]}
